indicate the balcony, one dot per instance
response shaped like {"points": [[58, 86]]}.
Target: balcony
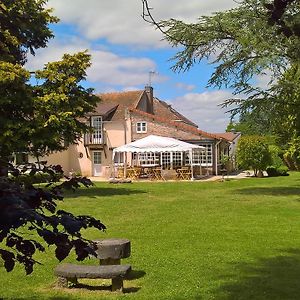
{"points": [[92, 139]]}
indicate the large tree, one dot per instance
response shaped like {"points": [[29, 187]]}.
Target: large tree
{"points": [[258, 37], [38, 119], [42, 118]]}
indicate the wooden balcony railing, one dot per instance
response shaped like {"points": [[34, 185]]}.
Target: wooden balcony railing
{"points": [[92, 139]]}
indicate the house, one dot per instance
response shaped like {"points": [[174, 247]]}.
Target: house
{"points": [[123, 117]]}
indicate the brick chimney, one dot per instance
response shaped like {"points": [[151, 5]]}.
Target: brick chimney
{"points": [[149, 91]]}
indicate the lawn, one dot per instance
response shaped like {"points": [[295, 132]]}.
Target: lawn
{"points": [[238, 239]]}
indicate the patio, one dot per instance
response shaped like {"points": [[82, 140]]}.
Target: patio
{"points": [[154, 156]]}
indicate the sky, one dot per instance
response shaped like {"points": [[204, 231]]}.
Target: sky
{"points": [[125, 49]]}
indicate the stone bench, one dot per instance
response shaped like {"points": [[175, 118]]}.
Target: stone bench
{"points": [[70, 273]]}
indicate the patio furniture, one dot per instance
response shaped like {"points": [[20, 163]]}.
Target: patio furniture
{"points": [[157, 174], [120, 172], [134, 172], [184, 173]]}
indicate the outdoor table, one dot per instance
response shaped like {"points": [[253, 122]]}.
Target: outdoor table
{"points": [[147, 169], [111, 251], [184, 173], [134, 172]]}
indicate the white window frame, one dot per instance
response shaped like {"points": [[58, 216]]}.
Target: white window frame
{"points": [[207, 155], [97, 157], [141, 127], [97, 125]]}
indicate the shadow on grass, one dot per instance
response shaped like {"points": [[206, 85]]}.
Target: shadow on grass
{"points": [[272, 191], [107, 288], [94, 192], [135, 274], [39, 298], [268, 278]]}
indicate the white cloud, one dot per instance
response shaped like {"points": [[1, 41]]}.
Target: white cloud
{"points": [[184, 86], [203, 109], [107, 67], [55, 50], [120, 21], [110, 68]]}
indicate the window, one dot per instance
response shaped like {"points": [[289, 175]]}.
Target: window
{"points": [[176, 159], [198, 157], [97, 158], [96, 123], [148, 158], [119, 158], [141, 127], [166, 160], [206, 156]]}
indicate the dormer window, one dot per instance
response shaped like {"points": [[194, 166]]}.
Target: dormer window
{"points": [[141, 127]]}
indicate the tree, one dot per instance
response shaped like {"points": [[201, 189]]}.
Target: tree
{"points": [[43, 118], [258, 37], [28, 31], [38, 119], [253, 153], [240, 40]]}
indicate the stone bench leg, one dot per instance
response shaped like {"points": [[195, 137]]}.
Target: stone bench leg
{"points": [[117, 284], [63, 282], [110, 261]]}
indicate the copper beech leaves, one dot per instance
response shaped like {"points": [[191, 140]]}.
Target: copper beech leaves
{"points": [[25, 207]]}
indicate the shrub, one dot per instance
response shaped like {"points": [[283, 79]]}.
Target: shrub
{"points": [[253, 152], [283, 170], [277, 171]]}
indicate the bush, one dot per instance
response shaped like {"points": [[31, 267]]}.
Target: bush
{"points": [[253, 153], [283, 170], [277, 171]]}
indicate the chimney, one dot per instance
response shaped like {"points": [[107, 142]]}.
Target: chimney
{"points": [[149, 91]]}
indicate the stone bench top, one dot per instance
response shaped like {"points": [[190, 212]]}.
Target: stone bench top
{"points": [[86, 271], [113, 248]]}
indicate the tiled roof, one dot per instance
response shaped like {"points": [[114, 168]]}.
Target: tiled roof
{"points": [[161, 108], [103, 109], [229, 136], [121, 99], [182, 126]]}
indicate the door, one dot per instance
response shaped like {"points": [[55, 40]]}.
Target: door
{"points": [[97, 166]]}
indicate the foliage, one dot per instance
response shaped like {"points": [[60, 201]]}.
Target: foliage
{"points": [[253, 152], [277, 171], [25, 207], [28, 31], [292, 154], [44, 118], [255, 122], [276, 156], [241, 41], [277, 166]]}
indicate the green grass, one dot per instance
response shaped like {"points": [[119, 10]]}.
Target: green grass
{"points": [[237, 239]]}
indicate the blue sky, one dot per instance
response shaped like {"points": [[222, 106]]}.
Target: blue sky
{"points": [[125, 49]]}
